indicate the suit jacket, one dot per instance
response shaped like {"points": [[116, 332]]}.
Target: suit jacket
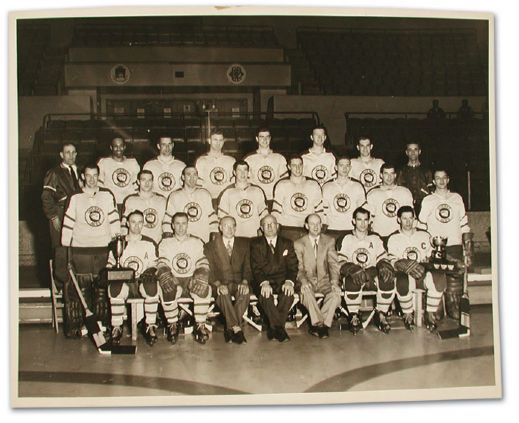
{"points": [[58, 187], [320, 271], [225, 269], [275, 268]]}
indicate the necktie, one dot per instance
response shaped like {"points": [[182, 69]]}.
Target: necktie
{"points": [[229, 248], [74, 178], [272, 248], [315, 248]]}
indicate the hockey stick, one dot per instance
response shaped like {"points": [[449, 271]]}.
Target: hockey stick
{"points": [[465, 305], [91, 323]]}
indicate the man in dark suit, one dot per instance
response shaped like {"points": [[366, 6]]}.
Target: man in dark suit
{"points": [[59, 184], [230, 274], [274, 271]]}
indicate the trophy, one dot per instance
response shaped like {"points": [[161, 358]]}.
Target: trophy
{"points": [[439, 254], [120, 273], [120, 244]]}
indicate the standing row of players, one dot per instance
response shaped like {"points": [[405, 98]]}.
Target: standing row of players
{"points": [[259, 184]]}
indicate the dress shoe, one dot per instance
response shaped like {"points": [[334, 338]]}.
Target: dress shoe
{"points": [[314, 331], [228, 336], [239, 338], [281, 334], [323, 332], [271, 333]]}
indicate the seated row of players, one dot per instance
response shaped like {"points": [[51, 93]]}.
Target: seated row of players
{"points": [[294, 199]]}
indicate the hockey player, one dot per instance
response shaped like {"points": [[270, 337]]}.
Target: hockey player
{"points": [[139, 254], [118, 173], [196, 203], [151, 204], [266, 167], [243, 201], [408, 248], [165, 168], [384, 201], [414, 176], [295, 198], [341, 196], [91, 222], [318, 164], [59, 184], [365, 168], [183, 270], [365, 266], [444, 214], [215, 168]]}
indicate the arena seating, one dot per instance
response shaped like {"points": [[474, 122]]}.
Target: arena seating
{"points": [[391, 62]]}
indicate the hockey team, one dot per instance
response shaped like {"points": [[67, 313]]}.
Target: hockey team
{"points": [[323, 228]]}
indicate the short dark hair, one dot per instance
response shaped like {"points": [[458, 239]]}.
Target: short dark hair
{"points": [[342, 157], [319, 126], [313, 214], [91, 165], [440, 169], [216, 131], [66, 143], [179, 214], [263, 129], [188, 167], [387, 165], [408, 143], [294, 156], [117, 137], [405, 209], [364, 137], [144, 172], [239, 163], [361, 210], [159, 137], [137, 212]]}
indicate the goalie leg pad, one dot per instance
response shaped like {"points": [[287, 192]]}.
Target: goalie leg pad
{"points": [[174, 292], [453, 295], [402, 284], [101, 305], [118, 289], [350, 286], [149, 288], [73, 312]]}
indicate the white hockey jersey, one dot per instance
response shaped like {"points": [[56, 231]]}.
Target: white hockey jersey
{"points": [[367, 173], [199, 209], [91, 220], [294, 201], [183, 257], [365, 252], [383, 203], [266, 170], [118, 177], [247, 206], [320, 167], [340, 201], [153, 209], [445, 216], [139, 255], [215, 173], [166, 174], [413, 247]]}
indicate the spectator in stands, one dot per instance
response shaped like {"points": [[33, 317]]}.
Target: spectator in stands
{"points": [[341, 196], [436, 112], [151, 204], [215, 168], [414, 176], [165, 168], [366, 168], [118, 173], [196, 202], [274, 271], [318, 164], [59, 184], [465, 112], [243, 201], [294, 199], [266, 167]]}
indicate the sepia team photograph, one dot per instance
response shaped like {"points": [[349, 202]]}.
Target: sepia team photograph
{"points": [[252, 205]]}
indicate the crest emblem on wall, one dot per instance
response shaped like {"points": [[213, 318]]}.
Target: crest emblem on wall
{"points": [[236, 74]]}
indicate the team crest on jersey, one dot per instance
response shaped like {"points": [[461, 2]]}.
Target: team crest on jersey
{"points": [[150, 218], [121, 177], [193, 211], [444, 213], [266, 174], [368, 178], [342, 202], [135, 263], [361, 256], [299, 202], [390, 207], [166, 181], [244, 208], [320, 173], [94, 216], [217, 176], [412, 253], [182, 263]]}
